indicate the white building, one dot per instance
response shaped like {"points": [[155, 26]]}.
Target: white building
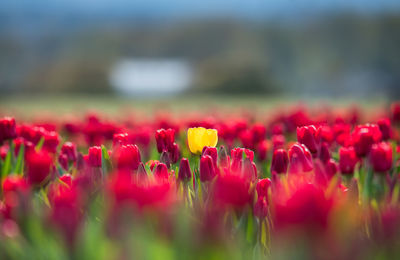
{"points": [[151, 77]]}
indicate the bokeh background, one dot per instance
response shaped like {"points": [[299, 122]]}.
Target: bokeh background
{"points": [[146, 49]]}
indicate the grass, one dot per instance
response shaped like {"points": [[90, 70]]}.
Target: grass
{"points": [[27, 106]]}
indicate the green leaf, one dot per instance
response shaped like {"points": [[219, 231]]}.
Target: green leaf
{"points": [[250, 227], [40, 144], [19, 165], [44, 197], [6, 165], [105, 160]]}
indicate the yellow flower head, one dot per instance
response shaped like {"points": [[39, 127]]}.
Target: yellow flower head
{"points": [[199, 137]]}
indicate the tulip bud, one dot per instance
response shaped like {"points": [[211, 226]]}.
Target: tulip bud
{"points": [[207, 169], [278, 142], [364, 136], [237, 157], [300, 159], [184, 173], [331, 168], [7, 129], [63, 161], [51, 141], [174, 153], [211, 151], [325, 134], [259, 132], [69, 149], [39, 166], [128, 157], [395, 112], [324, 153], [262, 187], [381, 157], [165, 139], [94, 156], [306, 136], [347, 160], [280, 161], [385, 128], [262, 150], [120, 139], [161, 171]]}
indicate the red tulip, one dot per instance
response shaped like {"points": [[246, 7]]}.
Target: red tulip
{"points": [[66, 213], [120, 139], [211, 151], [174, 153], [300, 159], [324, 153], [307, 135], [184, 173], [331, 167], [232, 190], [165, 139], [161, 171], [278, 142], [237, 157], [259, 132], [51, 141], [395, 112], [280, 161], [94, 156], [7, 129], [385, 128], [262, 150], [262, 187], [15, 183], [347, 160], [381, 157], [207, 168], [307, 208], [63, 161], [364, 136], [325, 134], [142, 193], [69, 149], [39, 166], [127, 157]]}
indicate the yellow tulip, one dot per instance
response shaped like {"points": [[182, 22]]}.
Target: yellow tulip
{"points": [[199, 137]]}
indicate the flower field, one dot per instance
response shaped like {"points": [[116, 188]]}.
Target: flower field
{"points": [[293, 183]]}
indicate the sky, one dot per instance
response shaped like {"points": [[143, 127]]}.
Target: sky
{"points": [[180, 8]]}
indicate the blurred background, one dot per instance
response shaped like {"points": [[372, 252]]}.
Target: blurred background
{"points": [[171, 48]]}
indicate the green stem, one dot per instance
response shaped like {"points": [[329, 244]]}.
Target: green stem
{"points": [[368, 185], [11, 148]]}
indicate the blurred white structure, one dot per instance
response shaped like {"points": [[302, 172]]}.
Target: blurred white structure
{"points": [[151, 77]]}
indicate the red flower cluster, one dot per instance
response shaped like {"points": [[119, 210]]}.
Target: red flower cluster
{"points": [[298, 171]]}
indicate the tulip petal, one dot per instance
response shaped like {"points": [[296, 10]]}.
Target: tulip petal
{"points": [[212, 136]]}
